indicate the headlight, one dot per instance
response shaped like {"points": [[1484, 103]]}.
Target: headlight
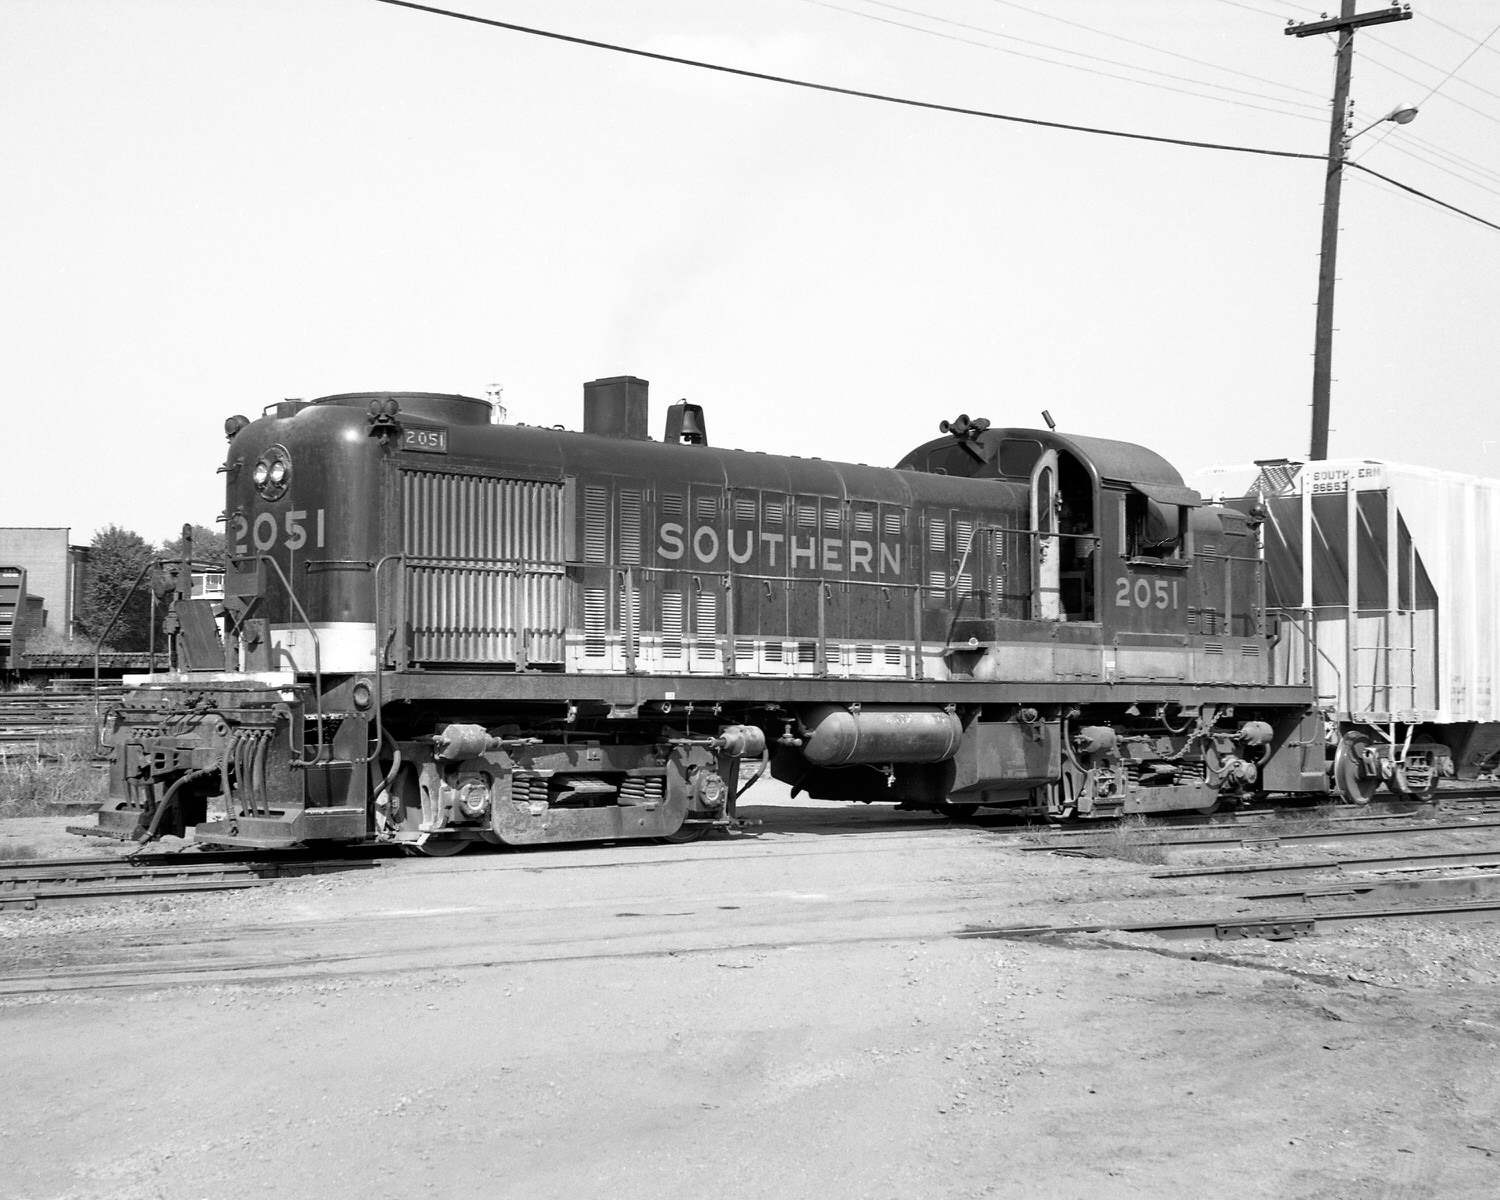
{"points": [[273, 473]]}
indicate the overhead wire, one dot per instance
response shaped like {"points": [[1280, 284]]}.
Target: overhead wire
{"points": [[1385, 66], [1438, 86], [1468, 37], [909, 102], [1461, 64], [1416, 192], [1115, 37], [1266, 12], [868, 16], [1404, 53], [857, 93], [1383, 188], [1402, 147]]}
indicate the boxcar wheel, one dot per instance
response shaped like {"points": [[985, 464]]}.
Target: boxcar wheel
{"points": [[955, 812], [1354, 787]]}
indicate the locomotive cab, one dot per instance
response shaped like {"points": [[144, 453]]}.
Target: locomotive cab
{"points": [[1108, 527]]}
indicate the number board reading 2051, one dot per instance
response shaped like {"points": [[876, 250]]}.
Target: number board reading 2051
{"points": [[1145, 593], [425, 440]]}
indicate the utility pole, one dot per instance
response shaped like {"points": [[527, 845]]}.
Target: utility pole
{"points": [[1344, 25]]}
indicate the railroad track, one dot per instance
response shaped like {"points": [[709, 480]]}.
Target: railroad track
{"points": [[40, 719], [1416, 876], [36, 883], [1249, 838], [1273, 928]]}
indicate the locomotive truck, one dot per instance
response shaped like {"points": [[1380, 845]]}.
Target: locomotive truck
{"points": [[438, 630]]}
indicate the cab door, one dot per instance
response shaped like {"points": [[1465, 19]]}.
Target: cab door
{"points": [[1046, 594]]}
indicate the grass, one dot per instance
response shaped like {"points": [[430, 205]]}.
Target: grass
{"points": [[1132, 840], [34, 783]]}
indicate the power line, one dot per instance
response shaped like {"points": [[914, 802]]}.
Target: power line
{"points": [[1401, 147], [1063, 50], [905, 101], [1411, 142], [1434, 90], [1434, 67], [1468, 37], [1037, 12], [1431, 199], [1377, 185], [1266, 12], [1461, 64], [927, 105]]}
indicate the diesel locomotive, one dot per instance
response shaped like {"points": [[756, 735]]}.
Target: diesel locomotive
{"points": [[438, 630]]}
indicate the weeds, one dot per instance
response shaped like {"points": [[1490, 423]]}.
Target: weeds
{"points": [[17, 852], [1133, 841], [38, 781]]}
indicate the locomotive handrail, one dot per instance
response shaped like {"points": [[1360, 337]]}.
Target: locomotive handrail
{"points": [[380, 733], [108, 629], [291, 595], [1312, 645], [627, 584], [617, 572]]}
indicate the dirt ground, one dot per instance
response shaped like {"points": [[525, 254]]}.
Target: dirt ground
{"points": [[787, 1013]]}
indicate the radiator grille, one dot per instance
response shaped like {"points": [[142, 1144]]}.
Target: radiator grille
{"points": [[485, 568]]}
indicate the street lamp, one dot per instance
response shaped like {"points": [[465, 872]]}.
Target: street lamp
{"points": [[1402, 114]]}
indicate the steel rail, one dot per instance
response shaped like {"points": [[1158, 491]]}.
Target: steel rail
{"points": [[1278, 928], [1412, 885], [125, 870], [169, 858], [1415, 862], [42, 884], [38, 896], [1272, 839]]}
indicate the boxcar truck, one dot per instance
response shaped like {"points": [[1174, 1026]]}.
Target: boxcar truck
{"points": [[1385, 582]]}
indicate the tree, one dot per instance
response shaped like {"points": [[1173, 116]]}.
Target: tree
{"points": [[208, 546], [116, 558]]}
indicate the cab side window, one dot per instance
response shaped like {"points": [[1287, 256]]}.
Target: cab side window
{"points": [[1152, 529]]}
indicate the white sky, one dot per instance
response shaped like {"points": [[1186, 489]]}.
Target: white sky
{"points": [[210, 206]]}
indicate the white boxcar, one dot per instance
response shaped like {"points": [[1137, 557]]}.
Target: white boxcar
{"points": [[1385, 579]]}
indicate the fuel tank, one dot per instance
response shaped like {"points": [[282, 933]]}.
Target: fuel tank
{"points": [[879, 734]]}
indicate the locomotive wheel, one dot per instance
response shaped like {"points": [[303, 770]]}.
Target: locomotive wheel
{"points": [[1350, 784], [437, 847], [686, 833]]}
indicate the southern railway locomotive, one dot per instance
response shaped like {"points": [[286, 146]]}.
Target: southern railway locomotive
{"points": [[439, 630]]}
